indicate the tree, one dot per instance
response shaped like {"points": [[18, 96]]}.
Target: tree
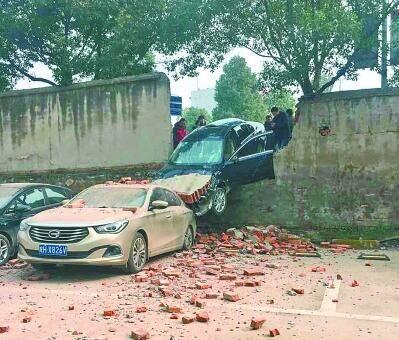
{"points": [[78, 39], [283, 99], [191, 114], [237, 94], [301, 40]]}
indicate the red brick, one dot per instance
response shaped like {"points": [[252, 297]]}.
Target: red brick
{"points": [[187, 319], [318, 269], [227, 267], [250, 284], [141, 278], [209, 262], [177, 296], [140, 334], [257, 323], [202, 317], [4, 329], [193, 299], [355, 283], [252, 272], [174, 316], [211, 271], [26, 319], [228, 277], [200, 285], [199, 304], [109, 313], [299, 291], [231, 296], [274, 332], [141, 309], [171, 273], [239, 283], [211, 295], [173, 309], [166, 291]]}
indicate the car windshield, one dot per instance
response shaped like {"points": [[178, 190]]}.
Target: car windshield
{"points": [[111, 197], [197, 152], [5, 195]]}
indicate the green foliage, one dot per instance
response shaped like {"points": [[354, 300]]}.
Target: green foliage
{"points": [[237, 93], [78, 39], [283, 99], [301, 40], [191, 114]]}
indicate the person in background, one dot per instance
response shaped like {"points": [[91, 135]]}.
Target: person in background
{"points": [[290, 114], [179, 132], [281, 128], [270, 141], [201, 121]]}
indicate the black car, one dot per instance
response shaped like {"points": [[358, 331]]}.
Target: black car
{"points": [[234, 152], [19, 201]]}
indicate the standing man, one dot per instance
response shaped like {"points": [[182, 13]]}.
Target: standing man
{"points": [[201, 121], [281, 127]]}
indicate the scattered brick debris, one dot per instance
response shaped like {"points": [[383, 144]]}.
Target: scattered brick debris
{"points": [[26, 319], [109, 313], [274, 332], [140, 334], [202, 317], [141, 309], [71, 308], [231, 296], [354, 283], [298, 291], [257, 323], [187, 319]]}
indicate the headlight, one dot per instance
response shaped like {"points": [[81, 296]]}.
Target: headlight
{"points": [[111, 228], [23, 226]]}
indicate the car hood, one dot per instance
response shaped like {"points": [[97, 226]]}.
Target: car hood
{"points": [[174, 170], [79, 217]]}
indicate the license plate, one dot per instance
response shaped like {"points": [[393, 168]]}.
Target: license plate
{"points": [[53, 250]]}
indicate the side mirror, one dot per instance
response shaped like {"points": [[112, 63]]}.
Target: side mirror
{"points": [[22, 208], [159, 205]]}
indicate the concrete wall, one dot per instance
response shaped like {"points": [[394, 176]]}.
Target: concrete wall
{"points": [[349, 178], [120, 122]]}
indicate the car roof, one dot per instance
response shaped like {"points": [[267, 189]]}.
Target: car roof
{"points": [[21, 185], [126, 185], [219, 128]]}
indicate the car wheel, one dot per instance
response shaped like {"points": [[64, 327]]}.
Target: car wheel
{"points": [[188, 239], [5, 250], [219, 202], [138, 255]]}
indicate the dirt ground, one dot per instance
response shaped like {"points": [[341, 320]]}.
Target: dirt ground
{"points": [[368, 311]]}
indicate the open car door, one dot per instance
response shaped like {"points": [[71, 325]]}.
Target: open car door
{"points": [[252, 162]]}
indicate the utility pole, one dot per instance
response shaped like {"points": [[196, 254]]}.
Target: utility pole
{"points": [[384, 49]]}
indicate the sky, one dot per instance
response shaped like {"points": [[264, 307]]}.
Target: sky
{"points": [[206, 79]]}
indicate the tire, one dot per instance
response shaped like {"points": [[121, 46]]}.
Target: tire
{"points": [[188, 239], [138, 255], [219, 202], [5, 249]]}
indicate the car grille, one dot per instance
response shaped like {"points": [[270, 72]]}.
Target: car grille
{"points": [[58, 235]]}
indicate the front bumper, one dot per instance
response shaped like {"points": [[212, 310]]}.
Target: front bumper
{"points": [[89, 251]]}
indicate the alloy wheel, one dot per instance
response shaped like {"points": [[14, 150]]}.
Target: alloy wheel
{"points": [[219, 200], [188, 238], [139, 253], [3, 250]]}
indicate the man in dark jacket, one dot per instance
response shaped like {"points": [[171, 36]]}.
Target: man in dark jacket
{"points": [[281, 128]]}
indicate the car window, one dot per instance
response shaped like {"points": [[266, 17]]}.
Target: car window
{"points": [[33, 198], [254, 146], [55, 195], [172, 199], [230, 146], [158, 195], [242, 131]]}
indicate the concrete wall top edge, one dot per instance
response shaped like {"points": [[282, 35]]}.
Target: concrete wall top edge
{"points": [[347, 95], [88, 84]]}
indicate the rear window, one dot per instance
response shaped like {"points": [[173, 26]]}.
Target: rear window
{"points": [[112, 197], [6, 193]]}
